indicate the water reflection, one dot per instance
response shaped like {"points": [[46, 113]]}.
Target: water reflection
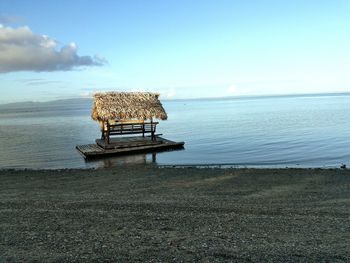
{"points": [[115, 161]]}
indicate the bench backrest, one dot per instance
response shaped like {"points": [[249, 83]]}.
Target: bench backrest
{"points": [[131, 128]]}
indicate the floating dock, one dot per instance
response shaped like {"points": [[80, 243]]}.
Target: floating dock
{"points": [[127, 145]]}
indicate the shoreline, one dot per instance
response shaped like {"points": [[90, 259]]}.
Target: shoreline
{"points": [[187, 166], [147, 213]]}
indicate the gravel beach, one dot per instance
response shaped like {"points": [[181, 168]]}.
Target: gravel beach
{"points": [[154, 214]]}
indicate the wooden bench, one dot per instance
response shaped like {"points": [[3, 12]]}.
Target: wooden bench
{"points": [[125, 128]]}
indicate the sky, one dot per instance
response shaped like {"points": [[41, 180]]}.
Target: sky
{"points": [[181, 48]]}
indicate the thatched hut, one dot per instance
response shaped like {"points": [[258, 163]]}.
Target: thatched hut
{"points": [[122, 113]]}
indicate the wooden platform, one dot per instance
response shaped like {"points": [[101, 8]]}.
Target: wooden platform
{"points": [[128, 142], [127, 145]]}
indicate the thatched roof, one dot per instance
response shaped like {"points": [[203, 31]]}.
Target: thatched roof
{"points": [[127, 105]]}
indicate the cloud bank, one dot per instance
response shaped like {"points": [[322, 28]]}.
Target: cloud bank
{"points": [[22, 50]]}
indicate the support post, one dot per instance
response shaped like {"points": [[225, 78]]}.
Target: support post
{"points": [[107, 132], [152, 130], [102, 130], [143, 129]]}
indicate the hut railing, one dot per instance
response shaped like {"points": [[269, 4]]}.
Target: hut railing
{"points": [[129, 128]]}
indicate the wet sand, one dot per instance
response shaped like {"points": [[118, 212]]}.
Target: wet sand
{"points": [[145, 213]]}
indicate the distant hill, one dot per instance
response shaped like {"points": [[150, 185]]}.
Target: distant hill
{"points": [[55, 107], [47, 104], [74, 102]]}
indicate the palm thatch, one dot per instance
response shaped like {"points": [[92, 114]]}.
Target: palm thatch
{"points": [[127, 105]]}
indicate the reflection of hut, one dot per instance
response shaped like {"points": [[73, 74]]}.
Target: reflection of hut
{"points": [[122, 113]]}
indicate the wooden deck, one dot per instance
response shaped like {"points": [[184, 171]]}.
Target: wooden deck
{"points": [[127, 145], [128, 142]]}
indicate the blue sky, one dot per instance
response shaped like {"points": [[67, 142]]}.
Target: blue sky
{"points": [[182, 49]]}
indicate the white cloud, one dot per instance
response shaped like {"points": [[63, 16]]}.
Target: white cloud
{"points": [[170, 93], [22, 50], [231, 89]]}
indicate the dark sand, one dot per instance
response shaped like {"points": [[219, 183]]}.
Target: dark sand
{"points": [[164, 214]]}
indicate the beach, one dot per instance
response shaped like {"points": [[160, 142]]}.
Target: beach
{"points": [[160, 214]]}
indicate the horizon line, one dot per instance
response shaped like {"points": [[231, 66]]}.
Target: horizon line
{"points": [[198, 98]]}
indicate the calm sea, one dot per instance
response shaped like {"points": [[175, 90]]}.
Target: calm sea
{"points": [[293, 131]]}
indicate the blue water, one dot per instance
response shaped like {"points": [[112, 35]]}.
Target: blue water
{"points": [[294, 131]]}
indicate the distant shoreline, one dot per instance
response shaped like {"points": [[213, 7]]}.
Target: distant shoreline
{"points": [[80, 99]]}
